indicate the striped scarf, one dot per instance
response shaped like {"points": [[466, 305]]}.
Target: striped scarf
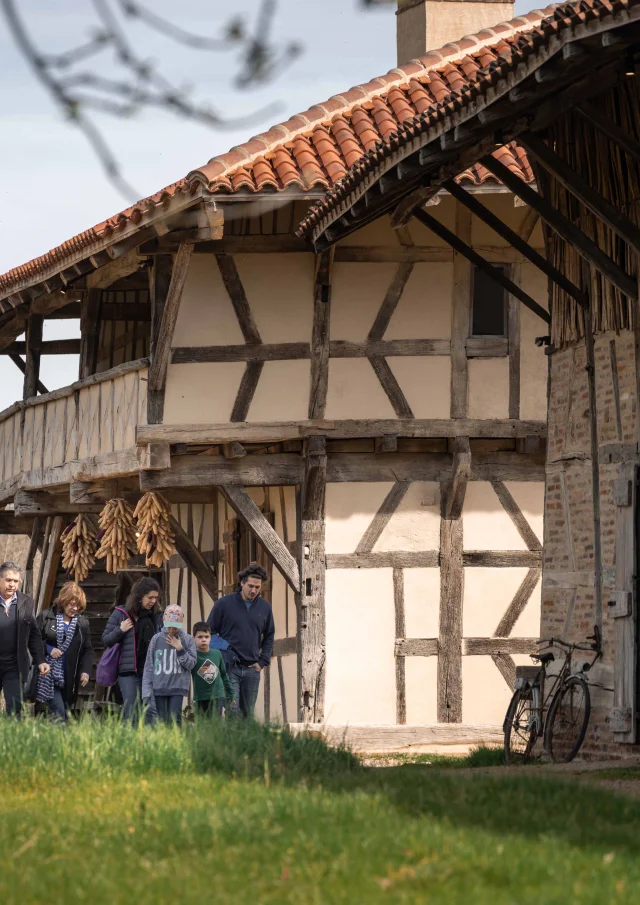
{"points": [[55, 677]]}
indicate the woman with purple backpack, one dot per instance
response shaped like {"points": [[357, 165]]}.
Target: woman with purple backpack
{"points": [[132, 627]]}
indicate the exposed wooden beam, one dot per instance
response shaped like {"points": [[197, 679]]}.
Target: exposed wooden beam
{"points": [[461, 470], [238, 297], [390, 385], [599, 206], [276, 431], [390, 302], [608, 127], [246, 509], [514, 335], [246, 391], [164, 336], [461, 300], [33, 353], [312, 627], [382, 517], [20, 364], [194, 559], [466, 251], [34, 503], [90, 333], [35, 541], [320, 335], [449, 682], [513, 238], [48, 347], [51, 561], [114, 270], [233, 450], [299, 350], [567, 230]]}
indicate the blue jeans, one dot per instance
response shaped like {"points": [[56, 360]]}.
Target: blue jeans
{"points": [[57, 708], [131, 689], [245, 681], [169, 708]]}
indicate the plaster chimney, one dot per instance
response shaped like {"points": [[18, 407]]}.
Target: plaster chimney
{"points": [[425, 25]]}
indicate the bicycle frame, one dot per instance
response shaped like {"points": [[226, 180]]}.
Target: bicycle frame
{"points": [[540, 697]]}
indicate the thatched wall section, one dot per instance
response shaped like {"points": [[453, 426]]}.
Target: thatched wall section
{"points": [[608, 169]]}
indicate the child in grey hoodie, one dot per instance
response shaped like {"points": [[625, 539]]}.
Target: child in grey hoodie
{"points": [[167, 669]]}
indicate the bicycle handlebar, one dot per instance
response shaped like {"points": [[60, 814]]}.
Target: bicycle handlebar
{"points": [[595, 646]]}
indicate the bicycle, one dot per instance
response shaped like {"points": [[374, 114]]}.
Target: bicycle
{"points": [[562, 724]]}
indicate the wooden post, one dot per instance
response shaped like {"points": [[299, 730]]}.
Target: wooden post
{"points": [[164, 336], [320, 335], [461, 317], [89, 333], [513, 332], [36, 536], [34, 347], [453, 492], [312, 639], [401, 682], [623, 605], [51, 563]]}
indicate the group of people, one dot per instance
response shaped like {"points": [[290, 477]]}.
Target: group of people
{"points": [[48, 658]]}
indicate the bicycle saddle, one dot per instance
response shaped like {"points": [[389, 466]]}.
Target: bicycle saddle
{"points": [[543, 658]]}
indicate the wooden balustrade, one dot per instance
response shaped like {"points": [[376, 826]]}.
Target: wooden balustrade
{"points": [[93, 417]]}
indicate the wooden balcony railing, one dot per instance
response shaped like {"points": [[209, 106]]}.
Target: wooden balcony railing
{"points": [[93, 418]]}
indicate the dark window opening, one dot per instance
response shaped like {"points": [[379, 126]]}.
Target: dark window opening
{"points": [[489, 312]]}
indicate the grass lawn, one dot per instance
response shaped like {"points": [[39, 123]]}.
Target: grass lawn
{"points": [[235, 813]]}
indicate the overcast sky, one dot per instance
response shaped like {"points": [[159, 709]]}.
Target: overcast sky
{"points": [[51, 184]]}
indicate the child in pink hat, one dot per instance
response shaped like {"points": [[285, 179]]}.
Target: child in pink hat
{"points": [[167, 670]]}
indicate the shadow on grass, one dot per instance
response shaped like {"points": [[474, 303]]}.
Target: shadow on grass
{"points": [[504, 803]]}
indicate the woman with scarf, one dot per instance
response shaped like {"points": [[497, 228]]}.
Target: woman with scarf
{"points": [[133, 627], [67, 639]]}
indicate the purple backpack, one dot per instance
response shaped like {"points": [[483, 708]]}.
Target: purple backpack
{"points": [[109, 663]]}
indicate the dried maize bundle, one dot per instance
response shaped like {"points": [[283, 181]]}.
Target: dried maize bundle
{"points": [[117, 535], [79, 547], [155, 537]]}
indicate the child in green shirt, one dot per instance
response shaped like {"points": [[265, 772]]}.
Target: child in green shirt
{"points": [[211, 685]]}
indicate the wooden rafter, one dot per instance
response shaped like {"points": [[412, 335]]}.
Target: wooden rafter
{"points": [[514, 239], [612, 130], [458, 245], [567, 230], [599, 206]]}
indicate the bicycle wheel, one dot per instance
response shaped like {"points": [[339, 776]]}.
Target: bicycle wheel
{"points": [[519, 728], [567, 720]]}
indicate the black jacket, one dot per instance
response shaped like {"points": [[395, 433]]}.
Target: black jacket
{"points": [[128, 655], [30, 647], [78, 656], [250, 632]]}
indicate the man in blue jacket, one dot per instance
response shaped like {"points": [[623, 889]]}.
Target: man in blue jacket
{"points": [[245, 620]]}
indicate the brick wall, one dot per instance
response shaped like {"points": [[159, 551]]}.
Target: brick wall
{"points": [[568, 596]]}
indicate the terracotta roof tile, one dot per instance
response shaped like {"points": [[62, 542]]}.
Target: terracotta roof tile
{"points": [[314, 149], [450, 80]]}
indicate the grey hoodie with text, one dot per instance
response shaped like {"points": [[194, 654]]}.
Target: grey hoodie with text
{"points": [[167, 671]]}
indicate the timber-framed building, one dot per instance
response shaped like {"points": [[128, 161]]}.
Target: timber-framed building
{"points": [[362, 408]]}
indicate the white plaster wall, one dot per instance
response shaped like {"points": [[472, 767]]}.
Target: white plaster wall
{"points": [[357, 292], [279, 289], [201, 393], [487, 594], [355, 392], [206, 316], [360, 683], [425, 382], [350, 508], [489, 388], [421, 603], [415, 525], [290, 676], [485, 695], [282, 393], [377, 233], [486, 525], [421, 678], [533, 361], [424, 309], [529, 495]]}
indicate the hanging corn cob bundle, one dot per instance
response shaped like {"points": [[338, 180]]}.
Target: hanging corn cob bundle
{"points": [[79, 547], [155, 537], [117, 536]]}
